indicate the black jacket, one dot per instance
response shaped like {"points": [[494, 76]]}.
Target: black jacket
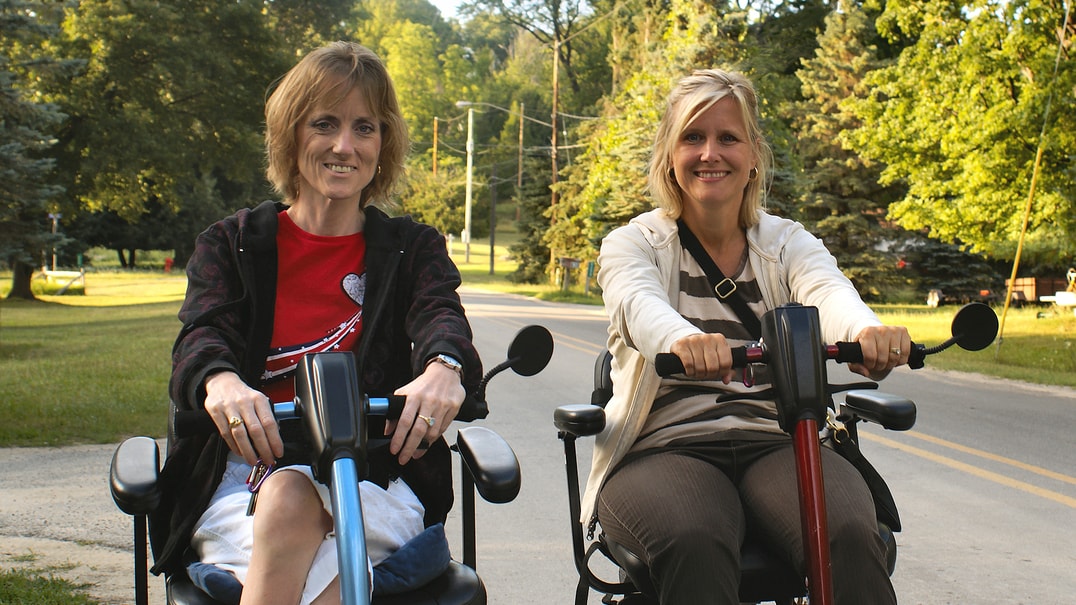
{"points": [[412, 313]]}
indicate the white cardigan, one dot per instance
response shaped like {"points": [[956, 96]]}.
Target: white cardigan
{"points": [[640, 279]]}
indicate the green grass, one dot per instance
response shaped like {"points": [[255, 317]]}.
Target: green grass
{"points": [[1032, 348], [88, 369], [25, 587], [94, 368]]}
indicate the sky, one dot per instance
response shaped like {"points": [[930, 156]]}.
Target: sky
{"points": [[447, 7]]}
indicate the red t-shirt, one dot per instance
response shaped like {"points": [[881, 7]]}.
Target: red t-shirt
{"points": [[321, 284]]}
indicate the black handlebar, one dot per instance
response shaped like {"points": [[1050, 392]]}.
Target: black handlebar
{"points": [[191, 423], [668, 364]]}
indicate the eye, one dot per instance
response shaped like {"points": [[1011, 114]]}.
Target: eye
{"points": [[729, 139], [322, 125], [692, 137], [366, 128]]}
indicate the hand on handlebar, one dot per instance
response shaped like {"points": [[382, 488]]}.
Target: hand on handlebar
{"points": [[705, 356], [243, 417], [433, 399], [884, 348]]}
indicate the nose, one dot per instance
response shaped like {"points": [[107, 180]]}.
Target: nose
{"points": [[344, 143], [709, 151]]}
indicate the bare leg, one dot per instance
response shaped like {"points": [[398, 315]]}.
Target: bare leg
{"points": [[331, 594], [289, 526]]}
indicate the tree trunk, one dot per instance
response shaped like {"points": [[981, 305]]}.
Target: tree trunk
{"points": [[20, 281], [122, 257]]}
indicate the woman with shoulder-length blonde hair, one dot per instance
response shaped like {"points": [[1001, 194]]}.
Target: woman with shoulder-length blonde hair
{"points": [[688, 465], [695, 94]]}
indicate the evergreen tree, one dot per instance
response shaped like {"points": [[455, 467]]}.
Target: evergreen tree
{"points": [[531, 253], [842, 202], [27, 188]]}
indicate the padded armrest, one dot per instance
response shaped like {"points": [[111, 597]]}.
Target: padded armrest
{"points": [[891, 411], [579, 420], [491, 462], [133, 476]]}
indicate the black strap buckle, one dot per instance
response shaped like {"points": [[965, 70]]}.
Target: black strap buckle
{"points": [[725, 289]]}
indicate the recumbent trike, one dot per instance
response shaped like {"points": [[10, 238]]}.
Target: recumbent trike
{"points": [[330, 417], [792, 347]]}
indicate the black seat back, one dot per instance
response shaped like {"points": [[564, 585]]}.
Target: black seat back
{"points": [[603, 379]]}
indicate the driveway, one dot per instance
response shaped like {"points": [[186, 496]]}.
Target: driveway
{"points": [[56, 515]]}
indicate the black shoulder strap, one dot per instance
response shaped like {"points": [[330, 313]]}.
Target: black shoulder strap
{"points": [[724, 288]]}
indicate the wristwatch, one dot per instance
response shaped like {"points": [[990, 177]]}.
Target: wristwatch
{"points": [[449, 362]]}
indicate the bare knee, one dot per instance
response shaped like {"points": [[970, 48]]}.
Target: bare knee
{"points": [[289, 506]]}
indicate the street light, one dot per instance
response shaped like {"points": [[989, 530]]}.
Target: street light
{"points": [[470, 105]]}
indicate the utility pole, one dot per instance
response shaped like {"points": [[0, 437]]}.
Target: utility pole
{"points": [[553, 121], [434, 145], [519, 170], [470, 187]]}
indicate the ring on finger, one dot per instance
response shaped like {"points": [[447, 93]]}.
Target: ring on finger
{"points": [[429, 420], [235, 422], [895, 351]]}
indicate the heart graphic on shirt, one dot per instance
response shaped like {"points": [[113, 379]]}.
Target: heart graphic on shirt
{"points": [[355, 287]]}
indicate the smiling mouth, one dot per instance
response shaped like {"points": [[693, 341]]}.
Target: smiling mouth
{"points": [[340, 169], [711, 174]]}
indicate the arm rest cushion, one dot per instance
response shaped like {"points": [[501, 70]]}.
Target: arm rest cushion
{"points": [[579, 420], [133, 476], [491, 462], [891, 411]]}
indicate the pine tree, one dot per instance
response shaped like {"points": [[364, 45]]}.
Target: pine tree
{"points": [[841, 201], [25, 134]]}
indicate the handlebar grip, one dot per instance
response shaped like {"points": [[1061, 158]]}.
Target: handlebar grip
{"points": [[739, 357], [190, 423], [848, 352], [396, 406], [668, 364]]}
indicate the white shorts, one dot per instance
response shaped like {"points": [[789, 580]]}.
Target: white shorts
{"points": [[224, 534]]}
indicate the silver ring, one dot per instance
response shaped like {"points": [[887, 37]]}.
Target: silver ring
{"points": [[429, 420], [895, 351]]}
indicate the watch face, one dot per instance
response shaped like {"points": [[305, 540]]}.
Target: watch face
{"points": [[449, 362]]}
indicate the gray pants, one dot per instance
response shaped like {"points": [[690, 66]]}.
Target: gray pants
{"points": [[685, 512]]}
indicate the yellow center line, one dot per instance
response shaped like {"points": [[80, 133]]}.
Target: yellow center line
{"points": [[974, 470], [994, 457]]}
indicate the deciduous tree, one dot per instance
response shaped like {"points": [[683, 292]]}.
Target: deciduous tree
{"points": [[958, 118]]}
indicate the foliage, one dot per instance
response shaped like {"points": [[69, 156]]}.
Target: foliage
{"points": [[921, 113], [532, 255], [842, 202], [438, 200], [936, 265], [155, 138], [958, 117], [27, 186]]}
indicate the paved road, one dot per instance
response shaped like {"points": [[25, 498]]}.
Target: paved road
{"points": [[984, 483]]}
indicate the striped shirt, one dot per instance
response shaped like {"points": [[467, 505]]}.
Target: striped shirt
{"points": [[685, 411]]}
